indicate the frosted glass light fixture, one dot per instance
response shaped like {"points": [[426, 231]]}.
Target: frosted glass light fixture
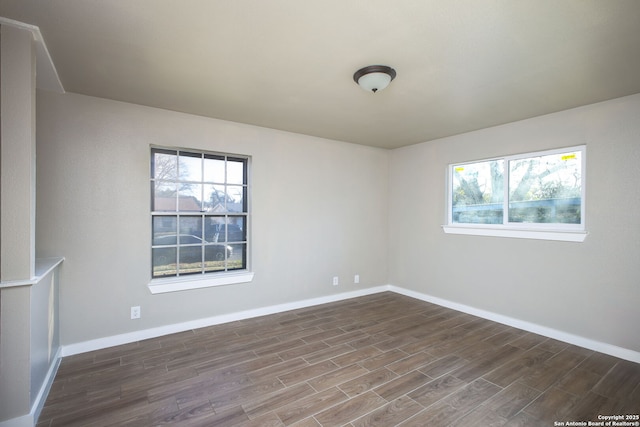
{"points": [[374, 77]]}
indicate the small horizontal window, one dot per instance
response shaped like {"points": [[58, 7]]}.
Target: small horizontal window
{"points": [[534, 192]]}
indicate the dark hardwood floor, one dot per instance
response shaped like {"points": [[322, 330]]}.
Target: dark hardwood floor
{"points": [[378, 360]]}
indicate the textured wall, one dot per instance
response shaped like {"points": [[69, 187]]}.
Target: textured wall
{"points": [[324, 208], [17, 223], [589, 289], [319, 210]]}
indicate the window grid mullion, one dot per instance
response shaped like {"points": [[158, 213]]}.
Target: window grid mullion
{"points": [[506, 165], [178, 213], [225, 185], [178, 232], [202, 255], [202, 187]]}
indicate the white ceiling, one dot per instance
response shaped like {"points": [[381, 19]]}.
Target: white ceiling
{"points": [[288, 64]]}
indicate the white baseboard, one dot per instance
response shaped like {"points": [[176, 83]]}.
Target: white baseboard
{"points": [[101, 343], [130, 337], [620, 352], [41, 398], [30, 419]]}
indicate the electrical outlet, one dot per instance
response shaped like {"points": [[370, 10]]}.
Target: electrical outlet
{"points": [[356, 278], [135, 312], [336, 281]]}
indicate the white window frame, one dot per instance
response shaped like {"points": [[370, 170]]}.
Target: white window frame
{"points": [[543, 231], [160, 285]]}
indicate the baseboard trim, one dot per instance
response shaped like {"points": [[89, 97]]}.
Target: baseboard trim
{"points": [[130, 337], [41, 398], [620, 352], [100, 343], [30, 419]]}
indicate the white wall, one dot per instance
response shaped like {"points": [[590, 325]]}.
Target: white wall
{"points": [[17, 159], [17, 215], [589, 289], [320, 209]]}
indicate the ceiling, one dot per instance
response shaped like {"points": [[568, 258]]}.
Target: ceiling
{"points": [[461, 65]]}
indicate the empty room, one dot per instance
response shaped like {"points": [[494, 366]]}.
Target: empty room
{"points": [[336, 213]]}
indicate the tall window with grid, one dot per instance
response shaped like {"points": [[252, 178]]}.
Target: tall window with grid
{"points": [[199, 212]]}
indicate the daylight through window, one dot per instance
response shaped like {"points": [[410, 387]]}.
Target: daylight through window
{"points": [[199, 212], [536, 191]]}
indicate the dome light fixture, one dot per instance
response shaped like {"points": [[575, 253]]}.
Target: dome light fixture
{"points": [[374, 77]]}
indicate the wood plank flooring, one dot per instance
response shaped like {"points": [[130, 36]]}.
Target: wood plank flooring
{"points": [[378, 360]]}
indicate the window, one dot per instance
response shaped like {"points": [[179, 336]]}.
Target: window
{"points": [[533, 195], [199, 213]]}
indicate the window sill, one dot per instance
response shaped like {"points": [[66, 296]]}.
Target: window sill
{"points": [[174, 284], [565, 236]]}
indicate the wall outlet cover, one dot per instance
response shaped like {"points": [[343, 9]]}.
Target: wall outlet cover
{"points": [[135, 312]]}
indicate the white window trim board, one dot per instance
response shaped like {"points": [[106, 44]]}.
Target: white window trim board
{"points": [[564, 236], [184, 283]]}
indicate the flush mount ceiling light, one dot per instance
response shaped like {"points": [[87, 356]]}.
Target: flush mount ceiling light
{"points": [[374, 77]]}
